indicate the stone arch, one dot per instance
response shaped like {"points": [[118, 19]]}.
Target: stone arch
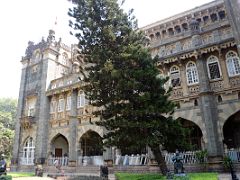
{"points": [[229, 110], [195, 137], [91, 144], [59, 145], [86, 128], [231, 131], [192, 116], [25, 138]]}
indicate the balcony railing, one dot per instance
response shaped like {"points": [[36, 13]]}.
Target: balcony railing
{"points": [[54, 161], [188, 157], [234, 155]]}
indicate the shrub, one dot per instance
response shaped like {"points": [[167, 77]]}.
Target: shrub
{"points": [[6, 177]]}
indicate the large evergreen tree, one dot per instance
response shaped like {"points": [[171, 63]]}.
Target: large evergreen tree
{"points": [[123, 81]]}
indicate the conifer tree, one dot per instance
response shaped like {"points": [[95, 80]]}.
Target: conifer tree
{"points": [[123, 81]]}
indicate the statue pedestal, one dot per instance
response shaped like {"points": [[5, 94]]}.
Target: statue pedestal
{"points": [[180, 175], [72, 163]]}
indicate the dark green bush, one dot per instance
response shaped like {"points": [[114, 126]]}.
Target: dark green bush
{"points": [[6, 177]]}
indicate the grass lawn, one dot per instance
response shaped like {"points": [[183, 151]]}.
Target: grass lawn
{"points": [[191, 176], [20, 174]]}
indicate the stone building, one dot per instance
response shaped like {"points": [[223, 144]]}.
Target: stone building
{"points": [[198, 49]]}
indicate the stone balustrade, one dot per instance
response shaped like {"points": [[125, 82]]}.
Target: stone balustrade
{"points": [[62, 161], [234, 155], [90, 160], [133, 160], [234, 81], [188, 157]]}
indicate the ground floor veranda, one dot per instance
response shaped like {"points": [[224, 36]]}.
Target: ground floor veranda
{"points": [[90, 152]]}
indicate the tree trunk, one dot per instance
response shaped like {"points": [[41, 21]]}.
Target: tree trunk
{"points": [[160, 160]]}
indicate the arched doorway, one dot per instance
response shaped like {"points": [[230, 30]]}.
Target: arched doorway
{"points": [[91, 144], [195, 135], [231, 131], [59, 146]]}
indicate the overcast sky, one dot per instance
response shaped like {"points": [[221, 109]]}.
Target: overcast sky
{"points": [[24, 20]]}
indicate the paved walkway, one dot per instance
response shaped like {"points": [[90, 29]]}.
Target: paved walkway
{"points": [[226, 176]]}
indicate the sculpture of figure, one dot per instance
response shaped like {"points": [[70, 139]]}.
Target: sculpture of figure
{"points": [[178, 165]]}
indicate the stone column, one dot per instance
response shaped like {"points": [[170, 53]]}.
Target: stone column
{"points": [[209, 111], [20, 108], [233, 13], [224, 71], [73, 130], [108, 156], [183, 79], [43, 118]]}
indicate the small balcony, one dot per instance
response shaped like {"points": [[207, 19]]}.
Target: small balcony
{"points": [[27, 121]]}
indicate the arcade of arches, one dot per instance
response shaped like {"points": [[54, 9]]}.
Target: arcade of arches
{"points": [[231, 131]]}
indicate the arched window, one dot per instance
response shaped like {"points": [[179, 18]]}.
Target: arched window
{"points": [[81, 100], [195, 102], [28, 152], [233, 63], [175, 76], [37, 55], [64, 59], [219, 98], [213, 68], [61, 104], [68, 104], [192, 74]]}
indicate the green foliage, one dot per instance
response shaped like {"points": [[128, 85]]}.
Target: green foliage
{"points": [[190, 176], [20, 174], [201, 155], [8, 108], [203, 176], [121, 79], [129, 176], [227, 162], [7, 177]]}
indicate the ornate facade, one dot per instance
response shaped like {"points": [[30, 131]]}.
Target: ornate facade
{"points": [[198, 49]]}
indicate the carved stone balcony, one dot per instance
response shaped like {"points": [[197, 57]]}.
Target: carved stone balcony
{"points": [[235, 81], [217, 85], [27, 121], [176, 93], [193, 90]]}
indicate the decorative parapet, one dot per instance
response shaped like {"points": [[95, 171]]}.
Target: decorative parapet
{"points": [[165, 51]]}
